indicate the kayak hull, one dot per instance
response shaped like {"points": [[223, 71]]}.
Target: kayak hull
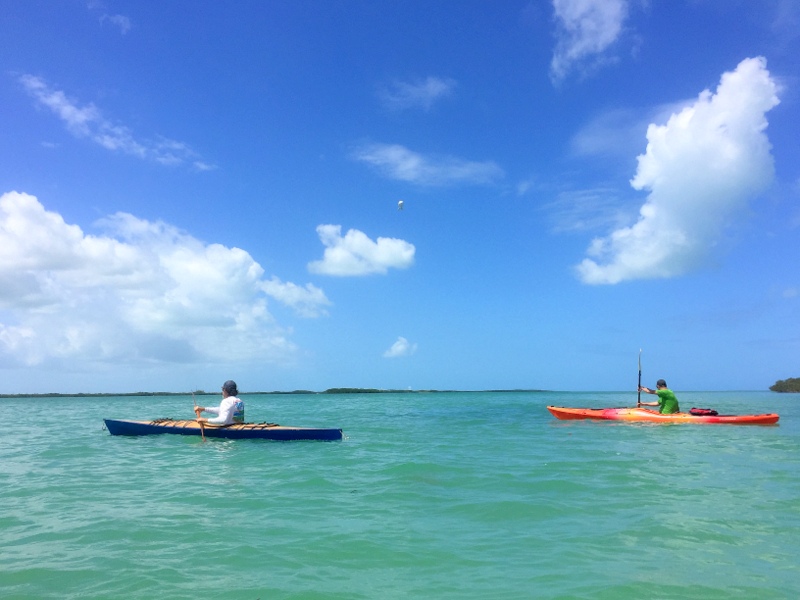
{"points": [[644, 415], [237, 431]]}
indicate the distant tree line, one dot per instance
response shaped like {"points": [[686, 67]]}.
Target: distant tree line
{"points": [[91, 395], [342, 390], [352, 391], [786, 385]]}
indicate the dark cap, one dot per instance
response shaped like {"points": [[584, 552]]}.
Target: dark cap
{"points": [[659, 383], [230, 387]]}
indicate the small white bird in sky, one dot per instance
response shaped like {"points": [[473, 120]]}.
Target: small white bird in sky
{"points": [[400, 205]]}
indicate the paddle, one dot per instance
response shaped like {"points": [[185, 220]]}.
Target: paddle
{"points": [[639, 396], [202, 427]]}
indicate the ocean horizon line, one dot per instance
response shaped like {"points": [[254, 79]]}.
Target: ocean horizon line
{"points": [[332, 391], [265, 393]]}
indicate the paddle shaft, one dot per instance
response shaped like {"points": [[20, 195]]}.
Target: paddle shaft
{"points": [[639, 388], [202, 427]]}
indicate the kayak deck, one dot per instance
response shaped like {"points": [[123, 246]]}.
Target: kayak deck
{"points": [[237, 431], [644, 415]]}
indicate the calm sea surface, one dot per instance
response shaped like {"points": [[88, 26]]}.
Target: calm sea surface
{"points": [[431, 495]]}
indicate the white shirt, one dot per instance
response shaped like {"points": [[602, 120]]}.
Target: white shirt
{"points": [[229, 408]]}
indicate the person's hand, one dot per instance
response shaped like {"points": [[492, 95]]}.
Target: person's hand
{"points": [[198, 410]]}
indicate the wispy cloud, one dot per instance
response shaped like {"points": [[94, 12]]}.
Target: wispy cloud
{"points": [[794, 219], [402, 95], [587, 210], [700, 169], [120, 21], [786, 21], [354, 254], [402, 347], [141, 293], [398, 162], [87, 122], [585, 29], [306, 301], [614, 134]]}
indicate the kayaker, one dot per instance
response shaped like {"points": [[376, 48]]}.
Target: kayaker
{"points": [[667, 402], [230, 410]]}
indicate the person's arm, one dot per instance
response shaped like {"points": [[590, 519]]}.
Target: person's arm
{"points": [[648, 391], [224, 413], [199, 410]]}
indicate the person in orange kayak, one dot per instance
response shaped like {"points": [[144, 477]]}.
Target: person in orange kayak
{"points": [[667, 402], [230, 410]]}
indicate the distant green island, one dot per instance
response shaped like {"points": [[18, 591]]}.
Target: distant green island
{"points": [[341, 390], [791, 385]]}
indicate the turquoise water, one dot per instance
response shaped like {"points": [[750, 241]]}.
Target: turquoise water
{"points": [[446, 495]]}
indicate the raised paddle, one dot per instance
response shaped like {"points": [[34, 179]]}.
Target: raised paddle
{"points": [[639, 396]]}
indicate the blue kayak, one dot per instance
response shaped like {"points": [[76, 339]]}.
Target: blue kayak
{"points": [[237, 431]]}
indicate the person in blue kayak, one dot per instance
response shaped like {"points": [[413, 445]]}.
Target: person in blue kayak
{"points": [[667, 402], [230, 410]]}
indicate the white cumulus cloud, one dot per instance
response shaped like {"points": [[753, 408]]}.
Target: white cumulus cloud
{"points": [[584, 30], [87, 121], [401, 95], [402, 347], [355, 254], [700, 169], [398, 162], [141, 293]]}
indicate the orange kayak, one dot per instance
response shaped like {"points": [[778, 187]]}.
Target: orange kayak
{"points": [[652, 416]]}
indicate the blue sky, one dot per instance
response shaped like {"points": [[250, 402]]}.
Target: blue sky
{"points": [[198, 191]]}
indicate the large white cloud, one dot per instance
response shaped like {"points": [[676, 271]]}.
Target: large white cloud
{"points": [[142, 292], [398, 162], [700, 169], [355, 254], [585, 29]]}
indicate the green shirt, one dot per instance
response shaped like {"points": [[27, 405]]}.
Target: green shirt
{"points": [[667, 402]]}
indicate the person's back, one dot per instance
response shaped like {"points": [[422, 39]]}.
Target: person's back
{"points": [[238, 410], [668, 402], [230, 410]]}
